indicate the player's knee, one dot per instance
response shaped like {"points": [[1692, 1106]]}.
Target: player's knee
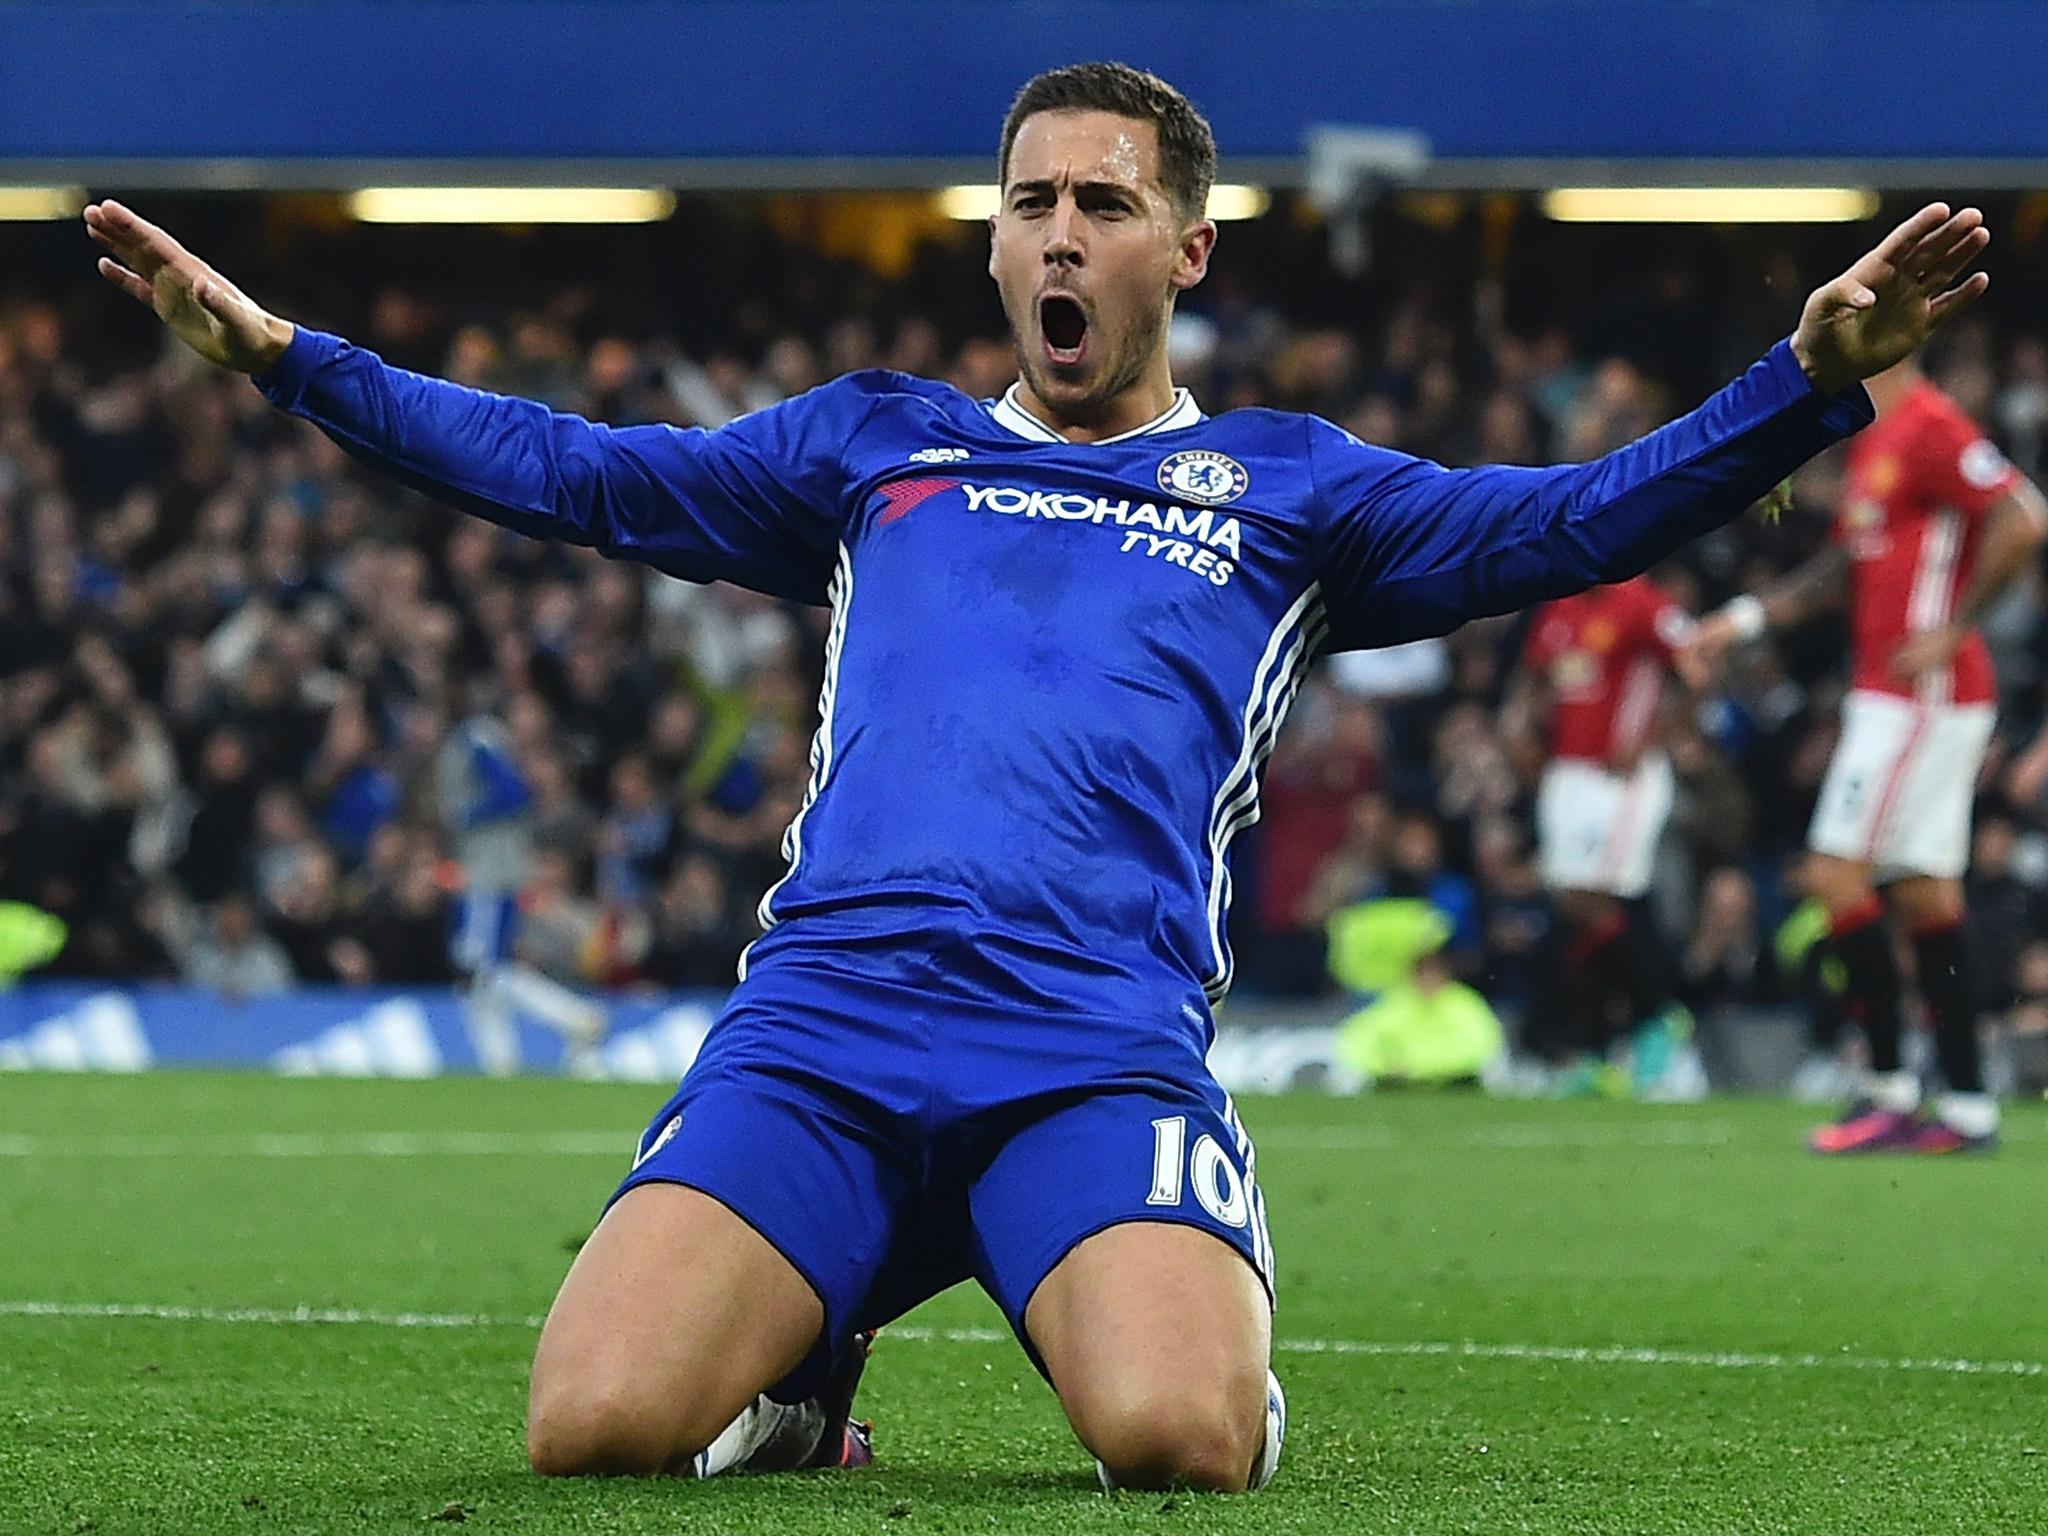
{"points": [[1926, 903], [599, 1431], [1159, 1437], [1585, 909], [1840, 885]]}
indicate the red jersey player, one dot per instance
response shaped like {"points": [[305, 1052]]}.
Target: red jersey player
{"points": [[1596, 663], [1933, 523]]}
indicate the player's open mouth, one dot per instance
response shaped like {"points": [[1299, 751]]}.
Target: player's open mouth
{"points": [[1064, 325]]}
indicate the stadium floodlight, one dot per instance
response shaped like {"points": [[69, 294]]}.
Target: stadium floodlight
{"points": [[1234, 200], [41, 202], [974, 200], [510, 205], [1228, 200], [1709, 205], [1350, 170]]}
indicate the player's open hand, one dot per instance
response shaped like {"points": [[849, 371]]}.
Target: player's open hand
{"points": [[1885, 307], [203, 309], [1927, 651]]}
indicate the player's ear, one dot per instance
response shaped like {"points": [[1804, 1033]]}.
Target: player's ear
{"points": [[1191, 261], [991, 245]]}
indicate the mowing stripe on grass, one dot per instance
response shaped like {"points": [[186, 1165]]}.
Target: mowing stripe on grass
{"points": [[614, 1143], [1626, 1354], [181, 1314], [1548, 1354], [1504, 1137]]}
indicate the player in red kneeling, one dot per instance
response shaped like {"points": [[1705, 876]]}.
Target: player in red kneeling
{"points": [[1933, 523]]}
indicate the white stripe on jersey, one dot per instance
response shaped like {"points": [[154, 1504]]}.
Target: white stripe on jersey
{"points": [[1637, 710], [1262, 1239], [1274, 683], [1243, 808], [840, 595], [1933, 592]]}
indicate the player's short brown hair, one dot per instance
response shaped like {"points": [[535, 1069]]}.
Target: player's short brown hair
{"points": [[1187, 147]]}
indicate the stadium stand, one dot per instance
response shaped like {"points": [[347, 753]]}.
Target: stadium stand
{"points": [[228, 658]]}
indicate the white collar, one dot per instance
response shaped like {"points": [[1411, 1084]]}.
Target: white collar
{"points": [[1007, 412]]}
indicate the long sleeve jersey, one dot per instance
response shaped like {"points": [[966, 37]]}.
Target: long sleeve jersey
{"points": [[1054, 670]]}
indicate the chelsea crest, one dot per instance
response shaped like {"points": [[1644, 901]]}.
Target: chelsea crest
{"points": [[1203, 476]]}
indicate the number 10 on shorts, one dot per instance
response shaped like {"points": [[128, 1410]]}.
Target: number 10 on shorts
{"points": [[1218, 1184]]}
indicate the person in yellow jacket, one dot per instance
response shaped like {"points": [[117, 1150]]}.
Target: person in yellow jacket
{"points": [[29, 937], [1423, 1026]]}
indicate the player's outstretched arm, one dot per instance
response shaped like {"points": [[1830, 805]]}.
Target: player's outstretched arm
{"points": [[1414, 549], [757, 502], [1886, 306], [203, 309]]}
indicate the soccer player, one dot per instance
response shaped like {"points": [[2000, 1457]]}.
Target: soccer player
{"points": [[1066, 626], [1933, 524], [486, 805], [1594, 670]]}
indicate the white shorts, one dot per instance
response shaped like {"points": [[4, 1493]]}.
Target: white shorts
{"points": [[1598, 831], [1898, 791]]}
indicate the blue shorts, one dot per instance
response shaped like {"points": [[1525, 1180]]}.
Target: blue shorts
{"points": [[890, 1146]]}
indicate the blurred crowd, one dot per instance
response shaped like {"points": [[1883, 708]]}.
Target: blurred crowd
{"points": [[228, 655]]}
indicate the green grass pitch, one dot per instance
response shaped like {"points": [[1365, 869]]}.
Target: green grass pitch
{"points": [[1805, 1346]]}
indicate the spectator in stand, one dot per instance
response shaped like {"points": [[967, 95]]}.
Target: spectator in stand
{"points": [[232, 955], [696, 936], [1718, 964], [2005, 912], [636, 838], [399, 918]]}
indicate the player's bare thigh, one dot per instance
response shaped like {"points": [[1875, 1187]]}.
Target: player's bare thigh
{"points": [[1841, 885], [1920, 902], [1586, 909], [1926, 902], [1157, 1337], [675, 1315]]}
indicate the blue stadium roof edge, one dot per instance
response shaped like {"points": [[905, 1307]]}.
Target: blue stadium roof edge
{"points": [[905, 92]]}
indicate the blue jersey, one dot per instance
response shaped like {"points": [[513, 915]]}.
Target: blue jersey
{"points": [[1054, 670]]}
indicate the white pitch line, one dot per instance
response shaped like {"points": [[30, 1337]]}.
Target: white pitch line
{"points": [[1547, 1354]]}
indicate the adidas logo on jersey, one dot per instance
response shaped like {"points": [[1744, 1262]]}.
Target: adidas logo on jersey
{"points": [[939, 456]]}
